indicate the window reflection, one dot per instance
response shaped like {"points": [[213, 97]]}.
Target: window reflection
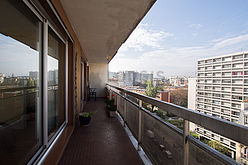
{"points": [[56, 82], [20, 112]]}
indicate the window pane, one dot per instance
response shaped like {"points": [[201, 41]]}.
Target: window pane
{"points": [[82, 81], [56, 82], [20, 111]]}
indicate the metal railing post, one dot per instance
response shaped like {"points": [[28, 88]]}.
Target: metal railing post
{"points": [[116, 99], [110, 94], [185, 142], [140, 125], [125, 109]]}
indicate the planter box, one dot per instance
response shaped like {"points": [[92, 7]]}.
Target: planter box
{"points": [[112, 113], [84, 120]]}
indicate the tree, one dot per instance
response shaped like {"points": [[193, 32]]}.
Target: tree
{"points": [[219, 147], [151, 90], [179, 97], [30, 82]]}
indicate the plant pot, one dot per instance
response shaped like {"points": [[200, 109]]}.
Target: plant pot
{"points": [[84, 120], [112, 113]]}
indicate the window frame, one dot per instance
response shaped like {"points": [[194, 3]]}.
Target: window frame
{"points": [[48, 143], [48, 25]]}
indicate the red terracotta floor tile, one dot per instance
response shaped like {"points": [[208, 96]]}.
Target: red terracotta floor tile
{"points": [[104, 141]]}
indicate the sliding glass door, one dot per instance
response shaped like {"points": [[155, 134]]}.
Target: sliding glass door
{"points": [[20, 83], [32, 82], [56, 82]]}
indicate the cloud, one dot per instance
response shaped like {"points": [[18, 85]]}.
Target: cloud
{"points": [[195, 25], [178, 60], [194, 34], [143, 37], [232, 41]]}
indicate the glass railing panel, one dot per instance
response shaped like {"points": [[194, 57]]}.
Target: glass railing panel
{"points": [[161, 143], [132, 118], [120, 105], [162, 135], [200, 156]]}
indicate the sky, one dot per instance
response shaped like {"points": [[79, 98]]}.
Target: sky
{"points": [[10, 62], [176, 33], [17, 58]]}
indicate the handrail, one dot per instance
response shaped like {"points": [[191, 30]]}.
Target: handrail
{"points": [[225, 128], [185, 133], [17, 88]]}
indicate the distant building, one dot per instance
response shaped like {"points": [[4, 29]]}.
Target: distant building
{"points": [[178, 81], [146, 77], [112, 75], [1, 78], [137, 79], [34, 75], [52, 77], [120, 78], [164, 96], [132, 78], [128, 78], [160, 81]]}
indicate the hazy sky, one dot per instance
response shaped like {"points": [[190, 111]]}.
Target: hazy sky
{"points": [[19, 59], [175, 33]]}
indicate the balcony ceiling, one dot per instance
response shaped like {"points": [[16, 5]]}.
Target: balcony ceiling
{"points": [[103, 25]]}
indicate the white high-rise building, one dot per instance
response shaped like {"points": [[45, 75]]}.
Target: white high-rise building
{"points": [[192, 84], [222, 91]]}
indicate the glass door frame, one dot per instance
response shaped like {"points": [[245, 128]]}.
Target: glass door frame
{"points": [[47, 144], [47, 25]]}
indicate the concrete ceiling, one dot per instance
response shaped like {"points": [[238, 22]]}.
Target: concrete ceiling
{"points": [[103, 25]]}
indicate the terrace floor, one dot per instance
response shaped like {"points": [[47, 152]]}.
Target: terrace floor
{"points": [[104, 141]]}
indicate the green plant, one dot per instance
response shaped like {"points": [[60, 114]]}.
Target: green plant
{"points": [[112, 107], [110, 102], [219, 147], [178, 123], [194, 135], [160, 114], [151, 91], [88, 114]]}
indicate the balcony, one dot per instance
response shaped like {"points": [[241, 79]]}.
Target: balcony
{"points": [[70, 45], [105, 141]]}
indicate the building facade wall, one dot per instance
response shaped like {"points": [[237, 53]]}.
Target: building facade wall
{"points": [[192, 98], [221, 89], [192, 93]]}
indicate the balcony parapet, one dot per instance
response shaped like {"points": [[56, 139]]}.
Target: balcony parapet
{"points": [[189, 150]]}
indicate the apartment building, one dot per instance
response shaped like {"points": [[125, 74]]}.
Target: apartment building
{"points": [[132, 78], [222, 92], [178, 81], [192, 86]]}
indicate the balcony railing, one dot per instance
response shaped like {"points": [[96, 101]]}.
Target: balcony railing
{"points": [[163, 142]]}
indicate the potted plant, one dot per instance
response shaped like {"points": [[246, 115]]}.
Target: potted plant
{"points": [[85, 117], [112, 110]]}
